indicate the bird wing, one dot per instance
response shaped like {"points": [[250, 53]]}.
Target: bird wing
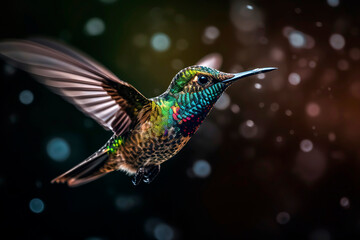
{"points": [[92, 88]]}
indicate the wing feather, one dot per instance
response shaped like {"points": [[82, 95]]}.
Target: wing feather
{"points": [[88, 85]]}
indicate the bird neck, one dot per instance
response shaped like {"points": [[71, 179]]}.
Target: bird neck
{"points": [[186, 111]]}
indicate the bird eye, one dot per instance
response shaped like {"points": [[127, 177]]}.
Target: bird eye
{"points": [[203, 79]]}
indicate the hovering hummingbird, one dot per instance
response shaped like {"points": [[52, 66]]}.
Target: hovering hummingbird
{"points": [[147, 131]]}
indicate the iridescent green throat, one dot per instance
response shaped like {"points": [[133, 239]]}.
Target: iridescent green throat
{"points": [[187, 111]]}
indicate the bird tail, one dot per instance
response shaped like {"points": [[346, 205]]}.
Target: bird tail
{"points": [[87, 171]]}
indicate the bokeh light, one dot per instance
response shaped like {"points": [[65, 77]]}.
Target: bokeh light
{"points": [[282, 218], [94, 26], [333, 3], [160, 42], [337, 41], [294, 79], [163, 231], [58, 149], [36, 205], [26, 97], [201, 169], [345, 202], [306, 145], [313, 109]]}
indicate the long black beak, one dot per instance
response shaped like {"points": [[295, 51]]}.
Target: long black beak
{"points": [[249, 73]]}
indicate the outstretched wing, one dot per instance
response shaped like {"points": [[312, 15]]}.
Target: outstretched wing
{"points": [[80, 80]]}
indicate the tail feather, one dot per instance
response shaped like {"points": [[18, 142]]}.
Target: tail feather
{"points": [[87, 171]]}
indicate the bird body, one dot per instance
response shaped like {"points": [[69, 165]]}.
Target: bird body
{"points": [[147, 132]]}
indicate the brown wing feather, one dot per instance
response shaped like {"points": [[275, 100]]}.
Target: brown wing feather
{"points": [[89, 86]]}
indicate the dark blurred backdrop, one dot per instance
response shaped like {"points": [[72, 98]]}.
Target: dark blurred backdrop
{"points": [[278, 158]]}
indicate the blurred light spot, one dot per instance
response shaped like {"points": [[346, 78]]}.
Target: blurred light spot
{"points": [[94, 26], [320, 234], [306, 145], [245, 18], [294, 79], [337, 41], [318, 24], [333, 3], [287, 30], [248, 129], [126, 203], [274, 107], [182, 44], [163, 231], [140, 40], [36, 205], [332, 137], [261, 105], [250, 123], [58, 149], [288, 112], [355, 54], [277, 54], [282, 218], [177, 64], [279, 139], [249, 7], [343, 65], [297, 39], [9, 70], [201, 169], [260, 76], [210, 34], [257, 86], [26, 97], [313, 109], [235, 108], [160, 42], [292, 132], [312, 64], [223, 102], [345, 202], [297, 10]]}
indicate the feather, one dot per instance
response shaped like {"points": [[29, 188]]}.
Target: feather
{"points": [[92, 88]]}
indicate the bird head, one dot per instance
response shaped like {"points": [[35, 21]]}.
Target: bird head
{"points": [[197, 79]]}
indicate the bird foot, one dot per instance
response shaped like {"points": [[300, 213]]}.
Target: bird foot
{"points": [[146, 174], [150, 173]]}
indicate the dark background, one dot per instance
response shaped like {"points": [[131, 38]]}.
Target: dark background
{"points": [[286, 166]]}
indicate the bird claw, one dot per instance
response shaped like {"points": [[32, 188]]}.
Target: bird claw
{"points": [[138, 176], [146, 174], [150, 173]]}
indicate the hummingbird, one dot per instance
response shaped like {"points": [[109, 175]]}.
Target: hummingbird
{"points": [[147, 131]]}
